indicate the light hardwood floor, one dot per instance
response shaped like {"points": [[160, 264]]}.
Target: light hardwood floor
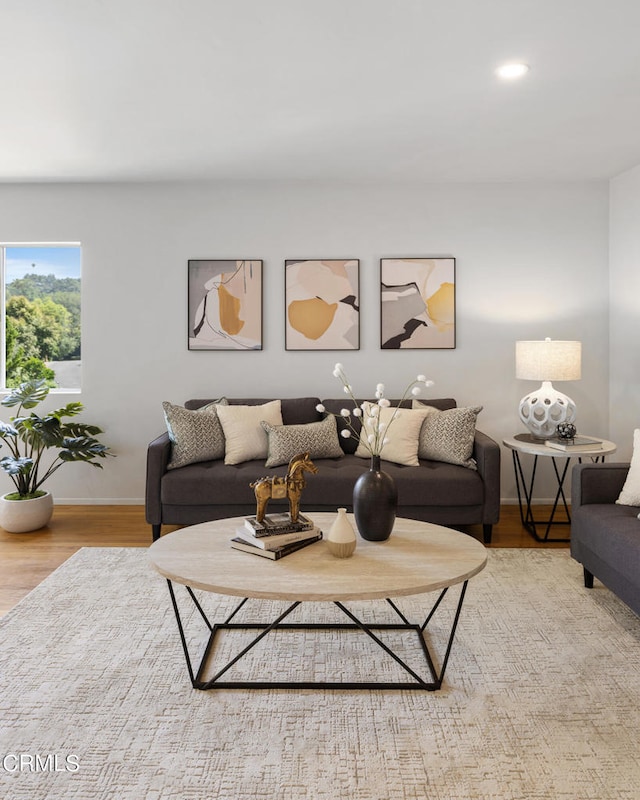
{"points": [[27, 558]]}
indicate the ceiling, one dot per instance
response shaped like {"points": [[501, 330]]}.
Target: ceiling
{"points": [[351, 90]]}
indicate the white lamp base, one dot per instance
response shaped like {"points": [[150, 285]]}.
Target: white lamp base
{"points": [[542, 410]]}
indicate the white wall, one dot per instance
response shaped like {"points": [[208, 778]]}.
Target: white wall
{"points": [[624, 352], [531, 262]]}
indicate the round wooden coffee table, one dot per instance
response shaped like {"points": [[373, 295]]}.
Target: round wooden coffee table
{"points": [[418, 558]]}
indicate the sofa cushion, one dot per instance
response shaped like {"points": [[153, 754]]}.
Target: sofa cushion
{"points": [[448, 435], [195, 435], [630, 494], [431, 484], [349, 445], [319, 439], [403, 426], [245, 439]]}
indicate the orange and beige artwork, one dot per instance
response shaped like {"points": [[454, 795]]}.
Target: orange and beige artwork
{"points": [[225, 305], [322, 304], [417, 303]]}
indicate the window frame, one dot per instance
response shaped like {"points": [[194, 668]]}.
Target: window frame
{"points": [[4, 246]]}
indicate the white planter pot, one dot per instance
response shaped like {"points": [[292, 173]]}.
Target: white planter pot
{"points": [[23, 516]]}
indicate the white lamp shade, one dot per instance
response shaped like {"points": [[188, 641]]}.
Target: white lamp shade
{"points": [[548, 360]]}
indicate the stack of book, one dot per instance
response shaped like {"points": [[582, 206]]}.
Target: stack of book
{"points": [[576, 445], [276, 536]]}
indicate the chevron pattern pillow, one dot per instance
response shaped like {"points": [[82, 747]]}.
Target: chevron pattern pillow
{"points": [[195, 435], [319, 439], [448, 435]]}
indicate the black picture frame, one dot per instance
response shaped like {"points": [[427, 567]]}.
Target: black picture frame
{"points": [[418, 303], [224, 304], [322, 304]]}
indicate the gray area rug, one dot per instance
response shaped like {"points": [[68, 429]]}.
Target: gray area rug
{"points": [[540, 701]]}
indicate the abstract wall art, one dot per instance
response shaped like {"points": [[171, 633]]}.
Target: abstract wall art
{"points": [[322, 300], [417, 303], [225, 305]]}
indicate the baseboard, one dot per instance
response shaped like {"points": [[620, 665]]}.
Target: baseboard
{"points": [[99, 501]]}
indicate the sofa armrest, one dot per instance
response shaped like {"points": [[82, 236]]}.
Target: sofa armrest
{"points": [[158, 455], [597, 483], [486, 453]]}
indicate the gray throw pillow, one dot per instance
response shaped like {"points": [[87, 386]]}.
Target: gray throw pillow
{"points": [[319, 439], [448, 435], [195, 435]]}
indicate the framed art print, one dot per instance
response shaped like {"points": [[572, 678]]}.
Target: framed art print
{"points": [[417, 303], [322, 302], [225, 305]]}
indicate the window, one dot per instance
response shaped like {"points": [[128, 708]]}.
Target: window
{"points": [[41, 314]]}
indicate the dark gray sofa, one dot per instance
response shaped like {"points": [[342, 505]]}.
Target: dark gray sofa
{"points": [[436, 492], [605, 536]]}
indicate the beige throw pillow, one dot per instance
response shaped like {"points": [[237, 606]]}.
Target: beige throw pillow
{"points": [[403, 433], [245, 438], [448, 435], [630, 494]]}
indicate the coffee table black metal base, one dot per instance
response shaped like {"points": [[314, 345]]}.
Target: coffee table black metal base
{"points": [[430, 682]]}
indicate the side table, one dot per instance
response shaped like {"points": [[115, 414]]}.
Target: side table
{"points": [[524, 443]]}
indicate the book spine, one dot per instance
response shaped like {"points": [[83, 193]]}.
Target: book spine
{"points": [[258, 529], [273, 542], [574, 448], [291, 548], [274, 555]]}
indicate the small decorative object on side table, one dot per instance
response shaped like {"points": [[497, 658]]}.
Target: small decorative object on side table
{"points": [[525, 443], [566, 430]]}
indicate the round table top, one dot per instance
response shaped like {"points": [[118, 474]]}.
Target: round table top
{"points": [[418, 557], [525, 443]]}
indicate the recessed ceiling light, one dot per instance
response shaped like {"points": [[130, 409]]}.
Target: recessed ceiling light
{"points": [[512, 71]]}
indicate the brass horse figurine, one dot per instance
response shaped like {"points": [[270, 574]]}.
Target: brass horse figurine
{"points": [[290, 486]]}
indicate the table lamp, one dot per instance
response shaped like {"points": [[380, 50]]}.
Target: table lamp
{"points": [[544, 409]]}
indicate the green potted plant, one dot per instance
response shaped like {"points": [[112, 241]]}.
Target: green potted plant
{"points": [[28, 438]]}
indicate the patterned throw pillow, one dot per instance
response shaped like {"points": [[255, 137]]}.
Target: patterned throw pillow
{"points": [[319, 439], [448, 435], [404, 427], [195, 435]]}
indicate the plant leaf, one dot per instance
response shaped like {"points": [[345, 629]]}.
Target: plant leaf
{"points": [[70, 410], [16, 466], [6, 429], [76, 429], [28, 394], [83, 448]]}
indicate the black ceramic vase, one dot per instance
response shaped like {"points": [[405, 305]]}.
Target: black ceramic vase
{"points": [[375, 499]]}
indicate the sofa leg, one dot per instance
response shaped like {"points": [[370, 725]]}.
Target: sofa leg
{"points": [[588, 578], [487, 530], [155, 530]]}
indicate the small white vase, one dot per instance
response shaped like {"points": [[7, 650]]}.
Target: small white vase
{"points": [[24, 516], [342, 536]]}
